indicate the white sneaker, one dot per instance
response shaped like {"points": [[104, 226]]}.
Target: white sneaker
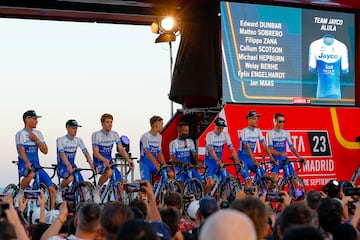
{"points": [[96, 195], [59, 198]]}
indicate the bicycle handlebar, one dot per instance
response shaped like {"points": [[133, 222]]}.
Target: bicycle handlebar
{"points": [[122, 158], [185, 165], [75, 170], [301, 160], [113, 165]]}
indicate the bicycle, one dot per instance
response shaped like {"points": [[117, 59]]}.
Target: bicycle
{"points": [[13, 189], [263, 183], [226, 186], [293, 184], [82, 190], [113, 190], [193, 188], [165, 184]]}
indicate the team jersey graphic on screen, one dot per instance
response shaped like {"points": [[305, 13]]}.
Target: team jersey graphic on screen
{"points": [[329, 57]]}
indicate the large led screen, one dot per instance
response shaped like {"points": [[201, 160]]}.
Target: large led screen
{"points": [[285, 55]]}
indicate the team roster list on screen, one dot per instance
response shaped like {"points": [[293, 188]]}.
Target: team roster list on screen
{"points": [[274, 54]]}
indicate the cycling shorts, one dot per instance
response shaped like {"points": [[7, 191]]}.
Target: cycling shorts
{"points": [[181, 174], [276, 168], [101, 170], [64, 173]]}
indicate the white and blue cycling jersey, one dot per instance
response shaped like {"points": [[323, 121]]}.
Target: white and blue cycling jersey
{"points": [[31, 150], [183, 150], [105, 142], [217, 142], [152, 143], [329, 57], [69, 147], [278, 139], [251, 137]]}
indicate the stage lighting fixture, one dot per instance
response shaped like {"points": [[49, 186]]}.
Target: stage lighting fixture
{"points": [[168, 25], [125, 142], [167, 28]]}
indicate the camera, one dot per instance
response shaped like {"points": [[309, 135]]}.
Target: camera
{"points": [[224, 204], [134, 187], [273, 197], [352, 207], [31, 194], [70, 200], [332, 189], [249, 190], [351, 191], [2, 197], [3, 206]]}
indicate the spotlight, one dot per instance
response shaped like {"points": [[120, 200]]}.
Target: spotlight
{"points": [[167, 28], [168, 25]]}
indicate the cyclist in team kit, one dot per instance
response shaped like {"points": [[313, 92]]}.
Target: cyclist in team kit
{"points": [[28, 142], [215, 141], [182, 150], [248, 139], [66, 150], [102, 144], [277, 140], [151, 155]]}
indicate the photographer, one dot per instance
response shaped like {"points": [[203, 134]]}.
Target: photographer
{"points": [[351, 205], [12, 217], [355, 220]]}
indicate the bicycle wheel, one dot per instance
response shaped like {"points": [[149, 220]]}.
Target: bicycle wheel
{"points": [[46, 191], [115, 193], [12, 189], [171, 185], [267, 184], [84, 192], [228, 190], [295, 187], [193, 190]]}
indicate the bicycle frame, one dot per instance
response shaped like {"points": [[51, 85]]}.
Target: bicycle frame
{"points": [[286, 170], [262, 182], [292, 181], [76, 182], [222, 178], [163, 178], [113, 184]]}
